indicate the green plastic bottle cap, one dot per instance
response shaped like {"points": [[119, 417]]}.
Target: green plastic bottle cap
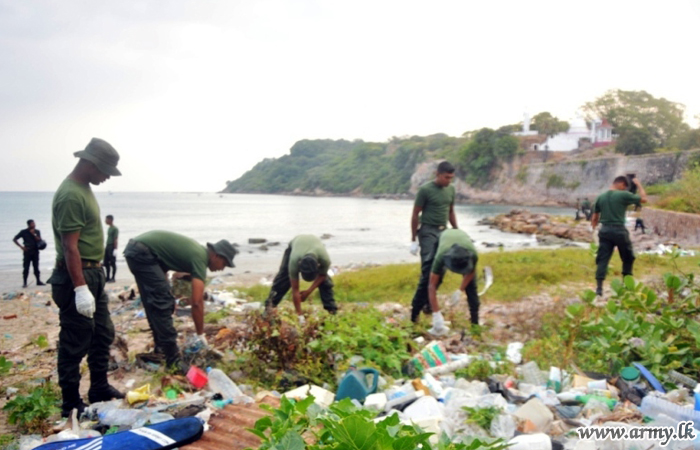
{"points": [[629, 373]]}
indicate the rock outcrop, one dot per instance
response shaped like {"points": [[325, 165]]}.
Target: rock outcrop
{"points": [[561, 182], [557, 230]]}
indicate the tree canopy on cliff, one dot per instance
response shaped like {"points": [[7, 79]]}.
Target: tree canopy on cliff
{"points": [[484, 153], [547, 124], [640, 110], [343, 167]]}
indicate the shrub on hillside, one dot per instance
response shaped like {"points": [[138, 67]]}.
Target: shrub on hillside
{"points": [[684, 195]]}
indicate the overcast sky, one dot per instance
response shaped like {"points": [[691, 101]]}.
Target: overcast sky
{"points": [[194, 93]]}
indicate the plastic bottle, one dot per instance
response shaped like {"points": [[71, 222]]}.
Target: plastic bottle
{"points": [[450, 367], [681, 379], [220, 383], [402, 401], [533, 375], [653, 406], [433, 385], [124, 417], [608, 401]]}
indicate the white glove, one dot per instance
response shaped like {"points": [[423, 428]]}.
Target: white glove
{"points": [[115, 252], [201, 339], [302, 320], [414, 248], [439, 327], [84, 301], [455, 298]]}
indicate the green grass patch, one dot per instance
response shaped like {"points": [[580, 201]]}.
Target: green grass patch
{"points": [[517, 274], [657, 189]]}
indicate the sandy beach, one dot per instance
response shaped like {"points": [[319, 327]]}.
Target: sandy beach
{"points": [[29, 325]]}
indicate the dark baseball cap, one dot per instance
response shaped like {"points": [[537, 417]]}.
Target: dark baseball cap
{"points": [[459, 260], [308, 266]]}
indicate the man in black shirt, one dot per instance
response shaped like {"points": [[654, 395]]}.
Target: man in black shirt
{"points": [[31, 237]]}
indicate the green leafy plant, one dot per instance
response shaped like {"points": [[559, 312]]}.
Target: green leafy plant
{"points": [[276, 346], [6, 440], [30, 412], [481, 369], [303, 425], [41, 341], [5, 365], [482, 416]]}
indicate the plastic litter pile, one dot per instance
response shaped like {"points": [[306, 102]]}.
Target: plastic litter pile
{"points": [[538, 410]]}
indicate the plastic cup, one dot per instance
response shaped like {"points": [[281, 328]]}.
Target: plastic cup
{"points": [[197, 377]]}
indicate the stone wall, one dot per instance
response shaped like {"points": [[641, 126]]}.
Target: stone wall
{"points": [[561, 183], [683, 228]]}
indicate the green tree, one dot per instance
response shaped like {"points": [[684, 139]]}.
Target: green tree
{"points": [[689, 140], [484, 154], [546, 123], [639, 109], [506, 147], [635, 141]]}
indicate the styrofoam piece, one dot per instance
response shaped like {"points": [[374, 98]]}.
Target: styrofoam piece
{"points": [[322, 397], [537, 441], [376, 401]]}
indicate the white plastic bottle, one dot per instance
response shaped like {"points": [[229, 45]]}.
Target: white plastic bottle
{"points": [[220, 383], [653, 406]]}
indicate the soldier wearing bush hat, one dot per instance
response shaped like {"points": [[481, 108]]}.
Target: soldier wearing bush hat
{"points": [[77, 281], [149, 257]]}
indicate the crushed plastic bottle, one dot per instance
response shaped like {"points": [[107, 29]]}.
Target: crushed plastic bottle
{"points": [[220, 383], [533, 375], [134, 418]]}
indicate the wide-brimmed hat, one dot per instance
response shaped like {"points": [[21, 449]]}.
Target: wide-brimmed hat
{"points": [[308, 266], [459, 260], [224, 249], [102, 155]]}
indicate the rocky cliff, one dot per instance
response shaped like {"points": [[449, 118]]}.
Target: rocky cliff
{"points": [[561, 183]]}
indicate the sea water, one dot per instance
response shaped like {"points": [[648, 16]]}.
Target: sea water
{"points": [[359, 230]]}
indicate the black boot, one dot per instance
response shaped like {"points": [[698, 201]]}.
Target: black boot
{"points": [[72, 400], [599, 288], [101, 390]]}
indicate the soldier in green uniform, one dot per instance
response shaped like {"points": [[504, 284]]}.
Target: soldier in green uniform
{"points": [[586, 208], [77, 281], [455, 251], [305, 255], [149, 257], [609, 210], [435, 205], [110, 261]]}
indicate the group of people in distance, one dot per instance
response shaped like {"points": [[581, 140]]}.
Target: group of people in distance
{"points": [[78, 280]]}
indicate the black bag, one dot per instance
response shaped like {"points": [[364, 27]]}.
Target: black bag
{"points": [[41, 244]]}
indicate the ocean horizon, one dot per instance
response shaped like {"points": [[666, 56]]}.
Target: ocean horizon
{"points": [[358, 230]]}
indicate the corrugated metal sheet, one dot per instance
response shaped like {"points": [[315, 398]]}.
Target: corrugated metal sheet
{"points": [[227, 429]]}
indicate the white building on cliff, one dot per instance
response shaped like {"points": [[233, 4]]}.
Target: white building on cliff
{"points": [[600, 134]]}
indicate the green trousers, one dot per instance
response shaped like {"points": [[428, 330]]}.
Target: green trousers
{"points": [[156, 296], [428, 238], [611, 236], [282, 283], [80, 335]]}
